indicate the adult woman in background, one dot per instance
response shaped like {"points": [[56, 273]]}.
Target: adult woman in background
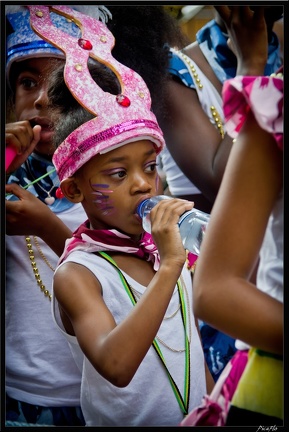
{"points": [[247, 222]]}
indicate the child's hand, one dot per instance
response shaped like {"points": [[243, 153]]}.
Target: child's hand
{"points": [[22, 138], [165, 230], [26, 215]]}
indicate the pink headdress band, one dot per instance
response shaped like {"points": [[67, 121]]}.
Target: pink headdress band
{"points": [[119, 119]]}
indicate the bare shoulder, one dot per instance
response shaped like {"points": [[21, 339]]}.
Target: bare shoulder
{"points": [[77, 291], [72, 281]]}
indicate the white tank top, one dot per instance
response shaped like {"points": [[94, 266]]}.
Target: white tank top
{"points": [[149, 399], [39, 366]]}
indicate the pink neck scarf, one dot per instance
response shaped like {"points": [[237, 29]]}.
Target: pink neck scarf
{"points": [[90, 240]]}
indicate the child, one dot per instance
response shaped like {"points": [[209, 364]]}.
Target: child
{"points": [[42, 381], [122, 297]]}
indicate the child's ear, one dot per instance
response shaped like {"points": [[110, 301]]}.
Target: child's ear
{"points": [[71, 190]]}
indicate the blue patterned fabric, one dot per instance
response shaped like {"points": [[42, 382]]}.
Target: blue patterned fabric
{"points": [[32, 169], [213, 43], [178, 68], [218, 347]]}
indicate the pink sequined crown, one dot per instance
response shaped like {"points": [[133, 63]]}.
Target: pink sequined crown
{"points": [[118, 119]]}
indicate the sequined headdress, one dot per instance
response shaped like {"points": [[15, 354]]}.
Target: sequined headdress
{"points": [[118, 119]]}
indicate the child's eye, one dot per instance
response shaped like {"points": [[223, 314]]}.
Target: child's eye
{"points": [[118, 174], [27, 83], [150, 168]]}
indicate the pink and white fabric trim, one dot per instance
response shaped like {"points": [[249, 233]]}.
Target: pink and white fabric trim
{"points": [[260, 94], [89, 240]]}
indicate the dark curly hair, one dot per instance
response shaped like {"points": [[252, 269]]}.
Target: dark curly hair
{"points": [[142, 36], [69, 114]]}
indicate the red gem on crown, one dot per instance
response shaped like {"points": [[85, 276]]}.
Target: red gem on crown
{"points": [[123, 100], [85, 44]]}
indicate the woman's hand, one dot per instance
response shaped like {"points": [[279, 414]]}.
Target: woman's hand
{"points": [[248, 38]]}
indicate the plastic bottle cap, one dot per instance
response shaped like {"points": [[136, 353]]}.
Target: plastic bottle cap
{"points": [[139, 209]]}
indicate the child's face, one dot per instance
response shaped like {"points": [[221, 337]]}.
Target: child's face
{"points": [[114, 183], [31, 102]]}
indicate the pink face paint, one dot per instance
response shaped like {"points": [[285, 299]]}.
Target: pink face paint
{"points": [[102, 199]]}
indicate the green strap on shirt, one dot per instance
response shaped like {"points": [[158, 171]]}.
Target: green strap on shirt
{"points": [[182, 401]]}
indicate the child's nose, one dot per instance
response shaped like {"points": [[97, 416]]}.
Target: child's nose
{"points": [[42, 97]]}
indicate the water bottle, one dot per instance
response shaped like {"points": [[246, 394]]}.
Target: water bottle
{"points": [[192, 223]]}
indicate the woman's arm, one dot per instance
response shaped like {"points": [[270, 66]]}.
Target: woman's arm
{"points": [[193, 141], [223, 297]]}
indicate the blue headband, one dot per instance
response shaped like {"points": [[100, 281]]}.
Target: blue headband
{"points": [[24, 43]]}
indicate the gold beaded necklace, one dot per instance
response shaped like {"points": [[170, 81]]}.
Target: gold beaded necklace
{"points": [[195, 75], [34, 265]]}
